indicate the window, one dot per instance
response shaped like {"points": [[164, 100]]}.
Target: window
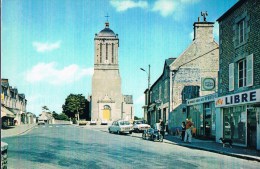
{"points": [[165, 88], [112, 53], [106, 51], [242, 73], [241, 31], [100, 54], [160, 92]]}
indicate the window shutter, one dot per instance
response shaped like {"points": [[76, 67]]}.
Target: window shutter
{"points": [[231, 76], [249, 71]]}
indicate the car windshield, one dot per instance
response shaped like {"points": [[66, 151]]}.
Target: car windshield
{"points": [[124, 123]]}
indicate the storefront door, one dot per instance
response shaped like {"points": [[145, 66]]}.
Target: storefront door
{"points": [[251, 128]]}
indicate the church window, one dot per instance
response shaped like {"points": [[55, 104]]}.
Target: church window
{"points": [[100, 53], [112, 53], [106, 51]]}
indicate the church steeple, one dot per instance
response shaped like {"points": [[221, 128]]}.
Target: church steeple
{"points": [[106, 48]]}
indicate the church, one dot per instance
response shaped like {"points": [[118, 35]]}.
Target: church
{"points": [[107, 101]]}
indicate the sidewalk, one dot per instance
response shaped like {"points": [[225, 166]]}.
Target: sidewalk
{"points": [[212, 146], [16, 130]]}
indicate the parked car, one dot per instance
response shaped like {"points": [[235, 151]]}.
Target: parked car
{"points": [[140, 126], [41, 122], [93, 122], [103, 122], [120, 126]]}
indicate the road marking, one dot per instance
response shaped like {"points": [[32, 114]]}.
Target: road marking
{"points": [[50, 126], [43, 126], [57, 126]]}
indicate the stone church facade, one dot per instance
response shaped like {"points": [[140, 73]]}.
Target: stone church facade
{"points": [[107, 101]]}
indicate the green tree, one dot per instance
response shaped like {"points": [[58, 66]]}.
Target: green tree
{"points": [[45, 109], [55, 115], [75, 104]]}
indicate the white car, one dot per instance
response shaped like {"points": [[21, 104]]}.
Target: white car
{"points": [[41, 122], [93, 122], [103, 122], [121, 126], [140, 126]]}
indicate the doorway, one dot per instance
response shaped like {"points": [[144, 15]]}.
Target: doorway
{"points": [[251, 128]]}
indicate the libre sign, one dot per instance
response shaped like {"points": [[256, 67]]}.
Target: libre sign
{"points": [[208, 84], [239, 98]]}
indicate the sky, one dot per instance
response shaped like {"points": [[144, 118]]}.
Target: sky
{"points": [[47, 46]]}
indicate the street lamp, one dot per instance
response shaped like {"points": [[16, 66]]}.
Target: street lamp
{"points": [[148, 94], [148, 73]]}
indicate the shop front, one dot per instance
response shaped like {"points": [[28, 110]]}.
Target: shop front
{"points": [[240, 118], [201, 111]]}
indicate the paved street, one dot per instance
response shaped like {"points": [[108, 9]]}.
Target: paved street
{"points": [[68, 146]]}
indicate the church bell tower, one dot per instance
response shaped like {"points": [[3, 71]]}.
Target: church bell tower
{"points": [[106, 81]]}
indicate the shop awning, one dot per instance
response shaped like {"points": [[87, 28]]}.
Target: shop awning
{"points": [[6, 113]]}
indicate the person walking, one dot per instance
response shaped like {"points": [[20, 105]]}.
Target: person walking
{"points": [[162, 128], [183, 130], [188, 131]]}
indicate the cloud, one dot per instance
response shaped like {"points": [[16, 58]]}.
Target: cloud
{"points": [[164, 7], [48, 73], [43, 47], [123, 5]]}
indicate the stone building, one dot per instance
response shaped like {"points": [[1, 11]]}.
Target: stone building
{"points": [[238, 99], [194, 72], [13, 105], [159, 97], [107, 101]]}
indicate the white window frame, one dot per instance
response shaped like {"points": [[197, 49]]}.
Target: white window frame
{"points": [[244, 70], [231, 77]]}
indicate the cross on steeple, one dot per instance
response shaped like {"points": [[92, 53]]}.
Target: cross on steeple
{"points": [[107, 17]]}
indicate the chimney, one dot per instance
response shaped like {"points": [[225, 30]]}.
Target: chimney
{"points": [[203, 31]]}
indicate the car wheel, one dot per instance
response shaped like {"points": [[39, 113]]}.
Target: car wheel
{"points": [[130, 132], [118, 132], [109, 131]]}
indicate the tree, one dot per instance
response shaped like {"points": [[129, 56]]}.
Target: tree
{"points": [[45, 108], [75, 105]]}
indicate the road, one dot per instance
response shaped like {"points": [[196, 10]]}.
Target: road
{"points": [[68, 146]]}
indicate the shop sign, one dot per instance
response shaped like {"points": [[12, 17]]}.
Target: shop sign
{"points": [[208, 84], [239, 98], [203, 99]]}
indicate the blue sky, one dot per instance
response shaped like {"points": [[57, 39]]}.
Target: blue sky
{"points": [[47, 46]]}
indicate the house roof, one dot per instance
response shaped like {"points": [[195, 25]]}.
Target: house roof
{"points": [[231, 10], [167, 63]]}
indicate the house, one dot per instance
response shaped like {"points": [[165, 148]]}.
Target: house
{"points": [[194, 73], [46, 117], [157, 103], [12, 104], [238, 99]]}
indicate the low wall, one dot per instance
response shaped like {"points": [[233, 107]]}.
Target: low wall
{"points": [[62, 122], [4, 147]]}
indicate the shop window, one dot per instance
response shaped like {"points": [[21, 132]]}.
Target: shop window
{"points": [[234, 124]]}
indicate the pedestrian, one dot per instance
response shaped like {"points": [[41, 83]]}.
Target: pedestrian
{"points": [[188, 131], [183, 129], [162, 127]]}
